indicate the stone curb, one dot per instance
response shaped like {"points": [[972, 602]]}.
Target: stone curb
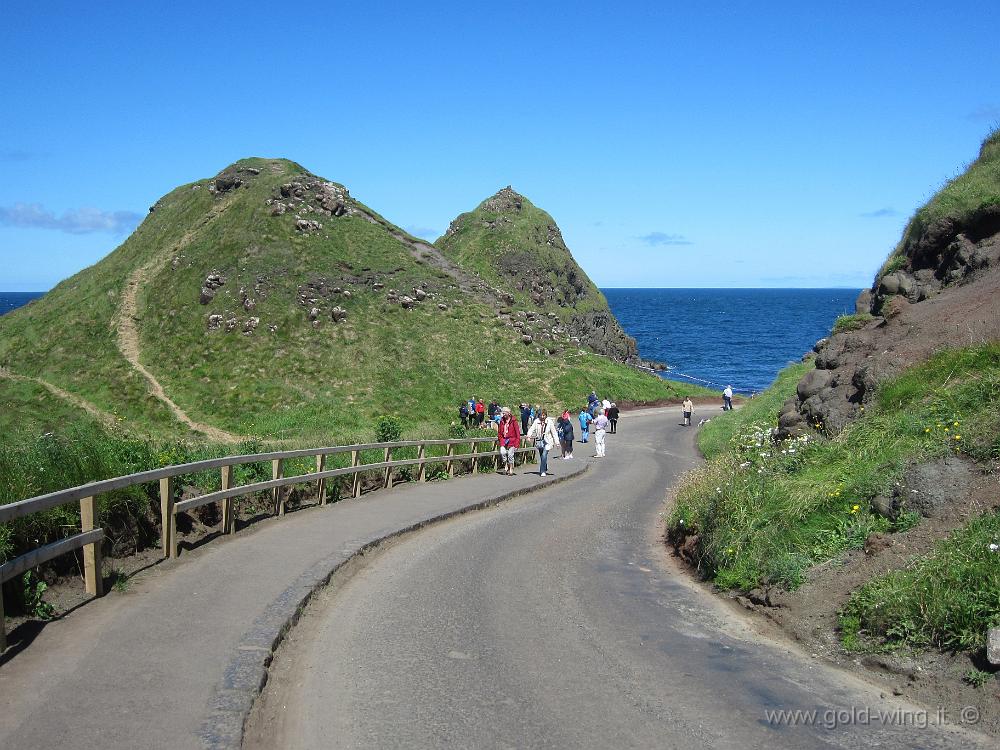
{"points": [[247, 669]]}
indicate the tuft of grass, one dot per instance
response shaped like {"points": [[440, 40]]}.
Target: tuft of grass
{"points": [[947, 599], [851, 322], [765, 513], [978, 678]]}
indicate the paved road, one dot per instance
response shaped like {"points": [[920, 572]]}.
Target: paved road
{"points": [[556, 621], [176, 660]]}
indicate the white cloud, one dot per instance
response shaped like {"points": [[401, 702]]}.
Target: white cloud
{"points": [[76, 221]]}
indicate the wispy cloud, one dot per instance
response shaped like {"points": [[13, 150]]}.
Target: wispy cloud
{"points": [[985, 112], [654, 239], [11, 155], [880, 213], [424, 232], [77, 221]]}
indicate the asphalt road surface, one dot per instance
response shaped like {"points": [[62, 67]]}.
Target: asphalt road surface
{"points": [[556, 620]]}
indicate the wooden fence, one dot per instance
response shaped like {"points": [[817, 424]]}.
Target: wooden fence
{"points": [[90, 538]]}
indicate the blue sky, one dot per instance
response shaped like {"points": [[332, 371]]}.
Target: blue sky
{"points": [[734, 144]]}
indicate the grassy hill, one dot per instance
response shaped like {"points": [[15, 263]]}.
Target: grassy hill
{"points": [[260, 353], [519, 249]]}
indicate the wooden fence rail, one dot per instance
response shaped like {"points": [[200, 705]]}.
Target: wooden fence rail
{"points": [[90, 537]]}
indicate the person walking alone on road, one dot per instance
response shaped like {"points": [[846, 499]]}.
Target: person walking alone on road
{"points": [[601, 424], [688, 409], [727, 398], [613, 417], [509, 437]]}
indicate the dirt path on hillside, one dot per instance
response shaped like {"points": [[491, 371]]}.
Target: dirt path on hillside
{"points": [[128, 331], [104, 417]]}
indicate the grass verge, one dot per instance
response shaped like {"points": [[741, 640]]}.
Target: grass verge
{"points": [[763, 513]]}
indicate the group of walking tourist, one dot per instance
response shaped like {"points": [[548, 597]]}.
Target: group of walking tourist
{"points": [[545, 432]]}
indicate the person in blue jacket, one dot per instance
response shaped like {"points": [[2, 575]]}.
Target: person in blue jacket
{"points": [[585, 420]]}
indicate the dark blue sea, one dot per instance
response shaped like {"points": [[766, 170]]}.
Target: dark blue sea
{"points": [[716, 337], [12, 300], [708, 336]]}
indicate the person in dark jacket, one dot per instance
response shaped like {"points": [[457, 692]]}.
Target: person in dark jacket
{"points": [[463, 413], [564, 428], [613, 417], [525, 418]]}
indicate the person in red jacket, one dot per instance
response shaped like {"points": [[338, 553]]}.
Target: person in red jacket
{"points": [[480, 412], [509, 437]]}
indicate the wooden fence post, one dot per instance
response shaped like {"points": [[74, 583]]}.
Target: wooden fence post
{"points": [[277, 495], [475, 457], [496, 458], [422, 473], [168, 522], [228, 527], [451, 467], [93, 581], [356, 487], [321, 484], [388, 471], [3, 627]]}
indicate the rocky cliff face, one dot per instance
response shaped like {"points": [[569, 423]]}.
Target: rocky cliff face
{"points": [[519, 248], [939, 289]]}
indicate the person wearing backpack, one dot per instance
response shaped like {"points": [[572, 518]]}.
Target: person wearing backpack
{"points": [[463, 414]]}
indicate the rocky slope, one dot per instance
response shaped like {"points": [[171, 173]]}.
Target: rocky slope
{"points": [[268, 301], [542, 290], [938, 289]]}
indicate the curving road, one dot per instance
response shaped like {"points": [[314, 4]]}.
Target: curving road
{"points": [[556, 621]]}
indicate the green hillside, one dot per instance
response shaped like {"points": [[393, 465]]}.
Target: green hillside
{"points": [[518, 248], [227, 295]]}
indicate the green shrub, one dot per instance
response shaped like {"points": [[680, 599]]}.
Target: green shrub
{"points": [[388, 429]]}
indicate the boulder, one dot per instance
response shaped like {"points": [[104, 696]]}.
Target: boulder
{"points": [[863, 304], [526, 338], [407, 302], [993, 646], [251, 325], [207, 295], [338, 314], [307, 225], [929, 487], [442, 306], [231, 324], [420, 295], [314, 313], [812, 383], [224, 183], [214, 322]]}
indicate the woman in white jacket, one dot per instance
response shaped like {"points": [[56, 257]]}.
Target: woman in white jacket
{"points": [[543, 432]]}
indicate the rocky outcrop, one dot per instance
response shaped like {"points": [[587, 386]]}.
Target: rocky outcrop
{"points": [[947, 252], [939, 292]]}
